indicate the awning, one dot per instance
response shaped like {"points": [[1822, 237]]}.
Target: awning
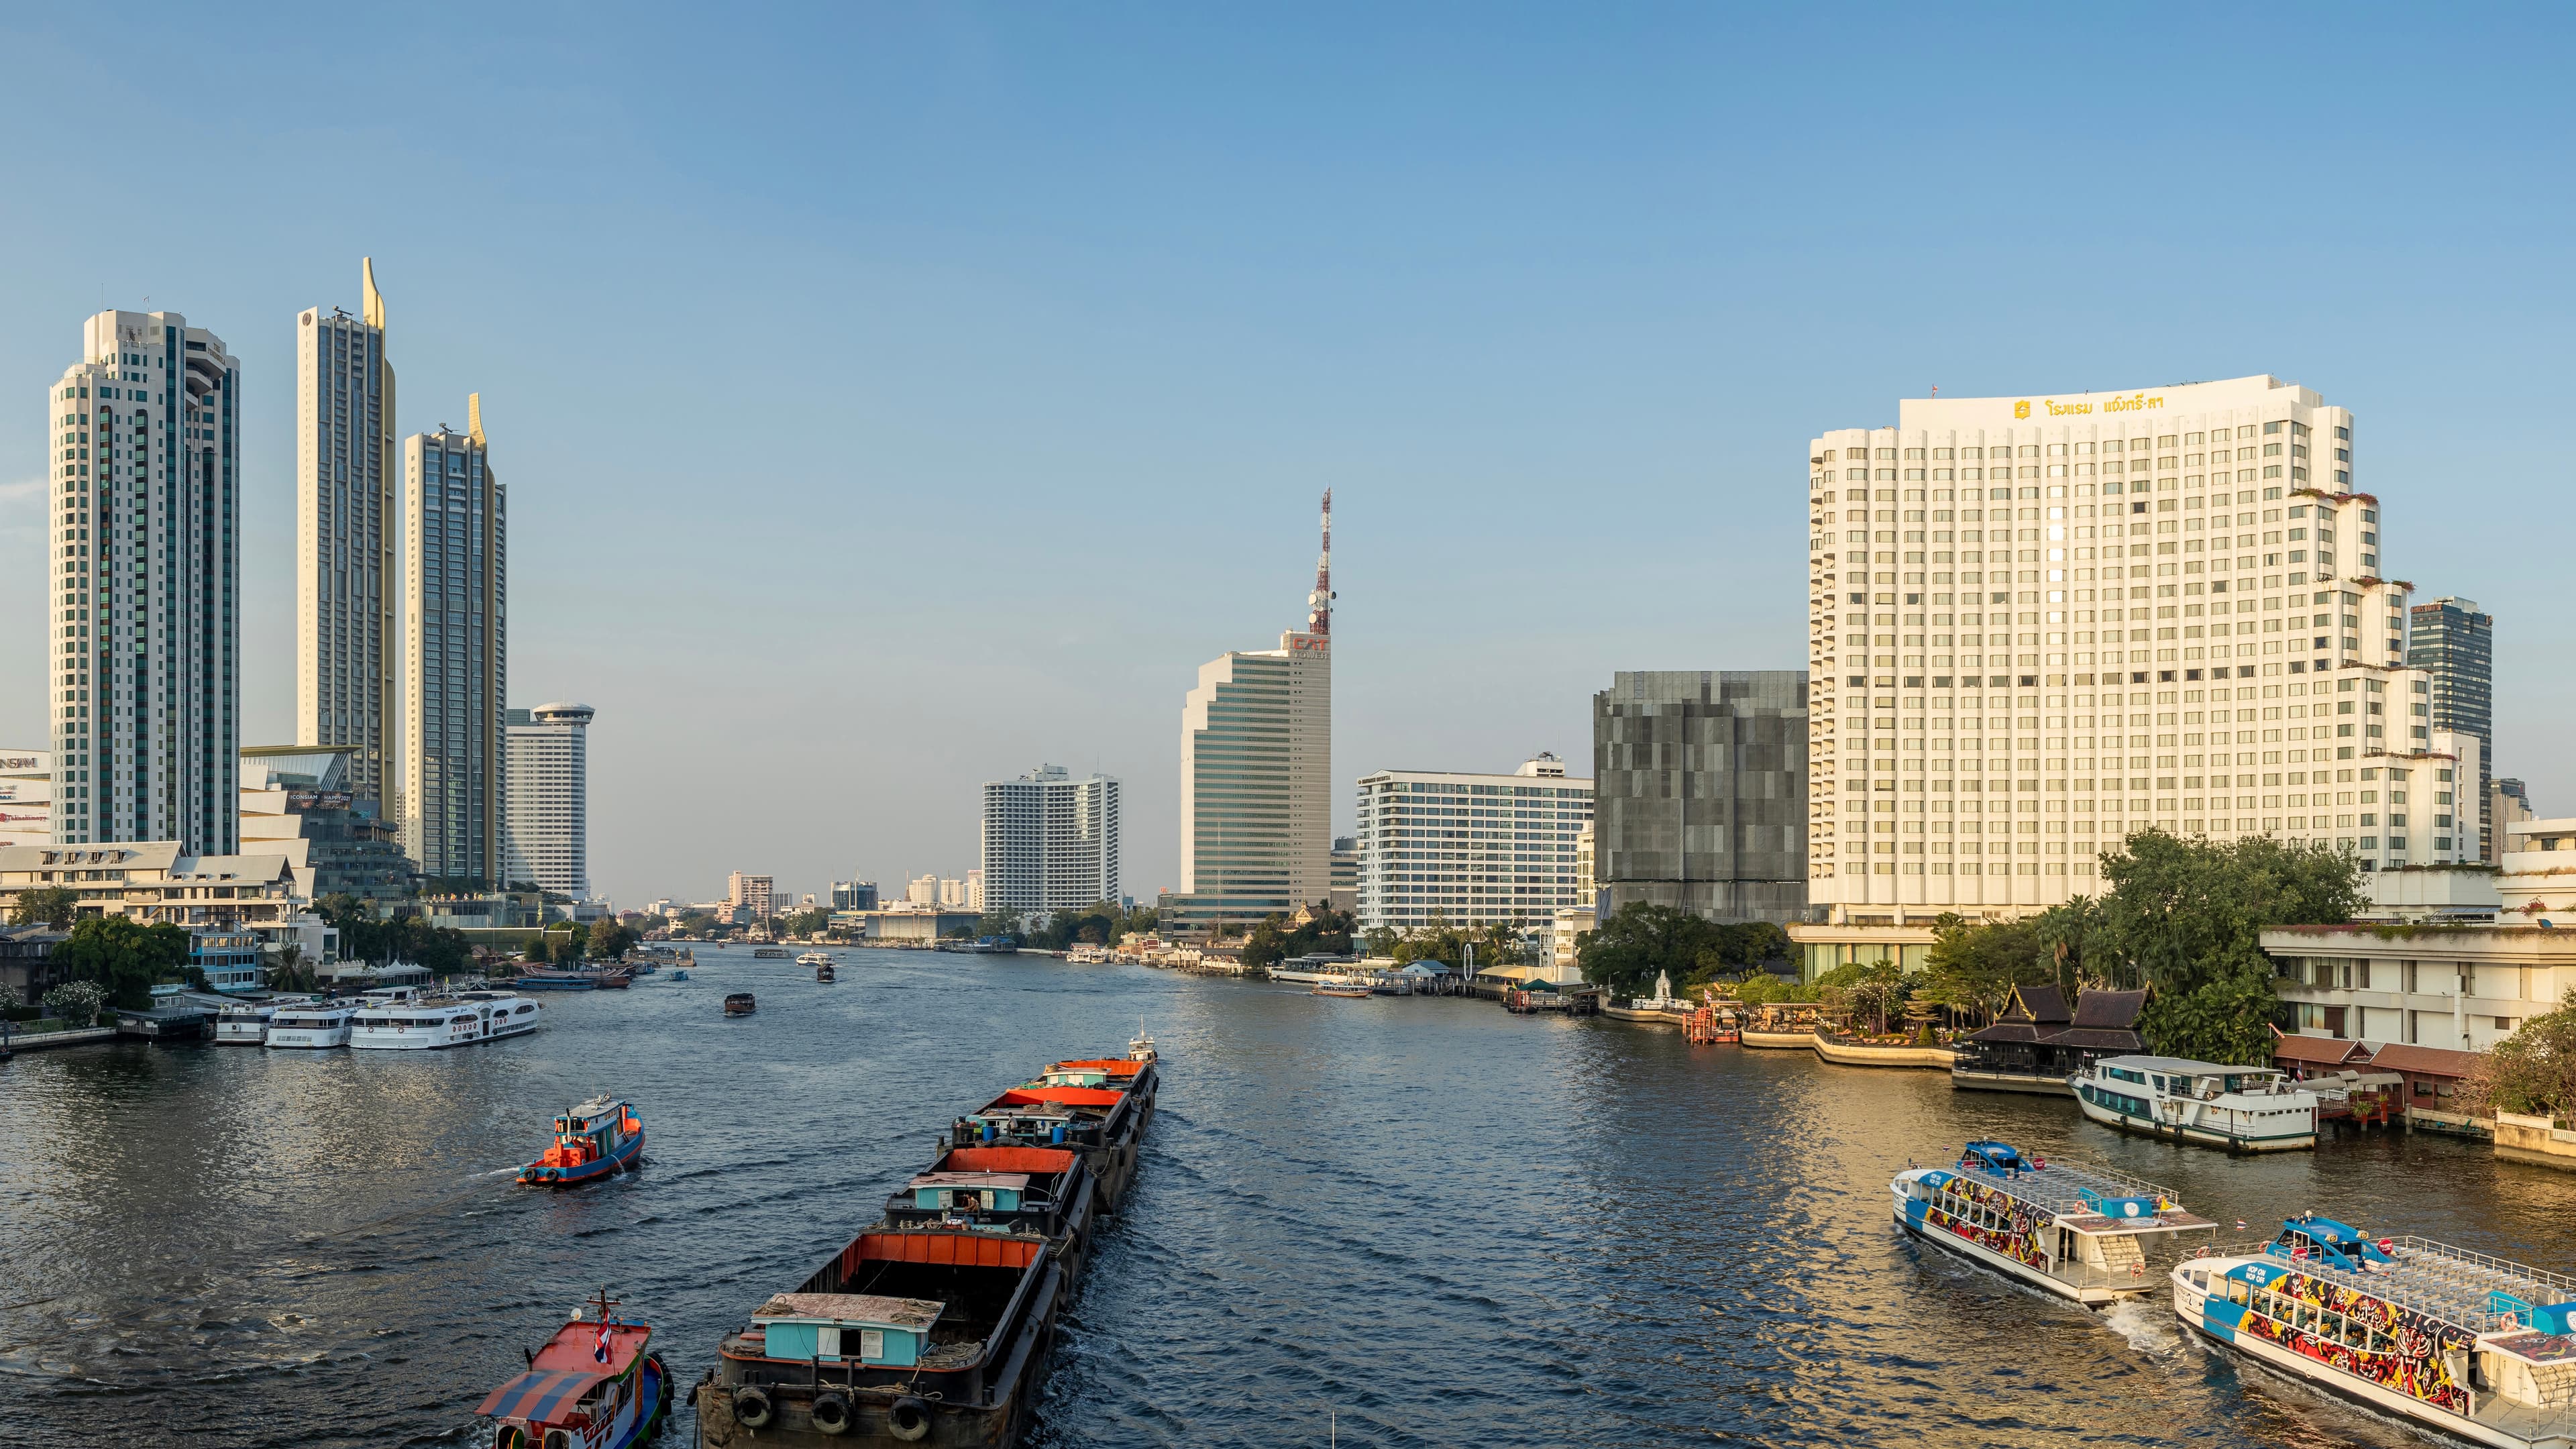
{"points": [[537, 1396]]}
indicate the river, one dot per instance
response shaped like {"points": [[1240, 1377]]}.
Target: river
{"points": [[1394, 1222]]}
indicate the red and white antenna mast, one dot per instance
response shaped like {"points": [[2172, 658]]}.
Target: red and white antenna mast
{"points": [[1319, 604]]}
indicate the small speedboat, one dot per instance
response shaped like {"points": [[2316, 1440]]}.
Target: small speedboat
{"points": [[740, 1004], [594, 1140], [679, 975], [593, 1384]]}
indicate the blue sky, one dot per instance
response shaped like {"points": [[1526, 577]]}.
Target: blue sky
{"points": [[895, 397]]}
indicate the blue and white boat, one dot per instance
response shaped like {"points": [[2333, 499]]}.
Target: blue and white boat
{"points": [[2477, 1348], [2206, 1104], [2077, 1232]]}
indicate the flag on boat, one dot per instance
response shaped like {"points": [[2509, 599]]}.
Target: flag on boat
{"points": [[2298, 1250], [599, 1346], [2240, 1225]]}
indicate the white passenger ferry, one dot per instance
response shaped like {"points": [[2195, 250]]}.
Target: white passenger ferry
{"points": [[245, 1023], [2478, 1348], [2243, 1109], [312, 1024], [446, 1021], [2074, 1231]]}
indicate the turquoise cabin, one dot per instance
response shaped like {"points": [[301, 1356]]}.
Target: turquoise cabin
{"points": [[858, 1328], [987, 1191]]}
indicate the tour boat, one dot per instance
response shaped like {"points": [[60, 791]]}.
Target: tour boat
{"points": [[814, 958], [1348, 989], [2073, 1231], [2243, 1109], [245, 1023], [593, 1385], [459, 1020], [2477, 1348], [1140, 1047], [594, 1140], [314, 1024], [770, 953], [740, 1004]]}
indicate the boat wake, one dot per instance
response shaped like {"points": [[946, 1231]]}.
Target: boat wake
{"points": [[2147, 1323]]}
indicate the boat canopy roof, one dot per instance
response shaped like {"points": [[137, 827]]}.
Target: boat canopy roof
{"points": [[2469, 1290], [1016, 1181], [538, 1395], [2084, 1199], [1035, 1161], [873, 1310], [1056, 1097], [2185, 1066]]}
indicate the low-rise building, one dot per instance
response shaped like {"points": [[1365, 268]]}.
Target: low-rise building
{"points": [[26, 797], [1564, 935], [152, 881], [296, 801]]}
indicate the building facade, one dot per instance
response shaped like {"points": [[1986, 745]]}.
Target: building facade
{"points": [[854, 895], [1470, 850], [26, 797], [143, 623], [548, 817], [754, 893], [298, 801], [347, 472], [2025, 614], [1050, 841], [1701, 793], [2454, 644], [456, 646], [1256, 774]]}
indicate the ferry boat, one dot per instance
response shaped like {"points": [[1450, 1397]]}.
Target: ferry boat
{"points": [[769, 953], [593, 1385], [314, 1024], [2477, 1348], [594, 1140], [814, 958], [1334, 986], [460, 1020], [245, 1023], [2073, 1231], [2242, 1109], [1097, 1106], [740, 1004]]}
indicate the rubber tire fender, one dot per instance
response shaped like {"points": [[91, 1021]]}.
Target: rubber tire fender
{"points": [[831, 1412], [909, 1419], [752, 1408], [511, 1436]]}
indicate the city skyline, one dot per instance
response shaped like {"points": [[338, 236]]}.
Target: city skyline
{"points": [[1512, 356]]}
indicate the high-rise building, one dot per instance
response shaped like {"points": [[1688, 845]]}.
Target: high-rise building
{"points": [[752, 892], [1469, 850], [548, 816], [2041, 624], [144, 606], [456, 644], [2508, 803], [1700, 795], [2455, 644], [1050, 841], [1256, 774], [1346, 872], [347, 473], [854, 895]]}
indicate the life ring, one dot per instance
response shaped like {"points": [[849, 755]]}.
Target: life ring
{"points": [[2137, 1270], [831, 1412], [909, 1419], [751, 1407]]}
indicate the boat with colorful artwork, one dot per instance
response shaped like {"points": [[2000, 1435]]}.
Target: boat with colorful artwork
{"points": [[2477, 1348], [597, 1139], [2077, 1232], [1098, 1106], [2207, 1104], [594, 1385]]}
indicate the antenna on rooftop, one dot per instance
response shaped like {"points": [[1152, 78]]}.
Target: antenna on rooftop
{"points": [[1319, 604]]}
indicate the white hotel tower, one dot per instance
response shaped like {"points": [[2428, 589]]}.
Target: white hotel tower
{"points": [[144, 539], [2039, 624]]}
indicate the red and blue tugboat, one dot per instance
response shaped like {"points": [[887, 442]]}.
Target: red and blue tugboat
{"points": [[592, 1141], [592, 1386]]}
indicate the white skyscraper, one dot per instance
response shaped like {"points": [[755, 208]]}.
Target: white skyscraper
{"points": [[1050, 841], [2038, 625], [143, 607], [346, 472], [456, 646], [1256, 773], [549, 798]]}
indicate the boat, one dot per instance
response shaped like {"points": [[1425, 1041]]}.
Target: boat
{"points": [[310, 1025], [459, 1020], [1340, 988], [543, 979], [740, 1004], [594, 1384], [814, 958], [678, 974], [1140, 1047], [825, 973], [1047, 1192], [2242, 1109], [1881, 1054], [599, 1138], [769, 953], [2478, 1348], [1098, 1106], [2071, 1231], [245, 1023]]}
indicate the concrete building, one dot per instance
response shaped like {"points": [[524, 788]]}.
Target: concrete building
{"points": [[347, 480], [1470, 850], [456, 653], [921, 891], [158, 881], [854, 895], [548, 817], [26, 797], [2003, 691], [2507, 802], [1346, 873], [1701, 793], [1256, 775], [2454, 644], [299, 802], [1050, 841], [142, 625], [749, 892]]}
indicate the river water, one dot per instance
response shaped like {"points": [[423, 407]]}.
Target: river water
{"points": [[1398, 1222]]}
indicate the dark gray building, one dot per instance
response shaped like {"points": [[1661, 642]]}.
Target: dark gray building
{"points": [[2456, 643], [1700, 792]]}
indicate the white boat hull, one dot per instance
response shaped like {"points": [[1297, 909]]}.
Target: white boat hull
{"points": [[298, 1038], [2013, 1268], [2192, 1133], [2189, 1307]]}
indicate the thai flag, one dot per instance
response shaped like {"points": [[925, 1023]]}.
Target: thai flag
{"points": [[599, 1346], [2240, 1225]]}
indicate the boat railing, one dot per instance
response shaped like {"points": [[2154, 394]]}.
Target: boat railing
{"points": [[2068, 1186], [2456, 1285]]}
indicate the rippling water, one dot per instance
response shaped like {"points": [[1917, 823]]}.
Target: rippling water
{"points": [[1409, 1222]]}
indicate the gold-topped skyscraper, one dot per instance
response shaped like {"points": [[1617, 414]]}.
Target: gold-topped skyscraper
{"points": [[346, 476]]}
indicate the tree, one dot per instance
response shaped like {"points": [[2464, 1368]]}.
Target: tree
{"points": [[1971, 969], [1382, 940], [2532, 1071], [610, 939], [1326, 932], [124, 956], [51, 906], [1000, 921], [289, 973], [1625, 953], [77, 1002]]}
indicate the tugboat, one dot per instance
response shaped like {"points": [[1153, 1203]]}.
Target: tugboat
{"points": [[592, 1141], [2073, 1231], [823, 972], [592, 1385], [740, 1004]]}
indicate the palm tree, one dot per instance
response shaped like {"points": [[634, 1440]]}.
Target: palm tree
{"points": [[290, 973]]}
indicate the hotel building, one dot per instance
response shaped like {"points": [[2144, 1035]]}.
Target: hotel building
{"points": [[547, 823], [1470, 850], [143, 608], [456, 642], [346, 473], [2039, 624], [1050, 842]]}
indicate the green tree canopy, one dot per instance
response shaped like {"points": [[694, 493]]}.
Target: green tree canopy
{"points": [[124, 957], [1971, 969], [1640, 940], [2187, 916], [51, 906], [2532, 1071], [1274, 940]]}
